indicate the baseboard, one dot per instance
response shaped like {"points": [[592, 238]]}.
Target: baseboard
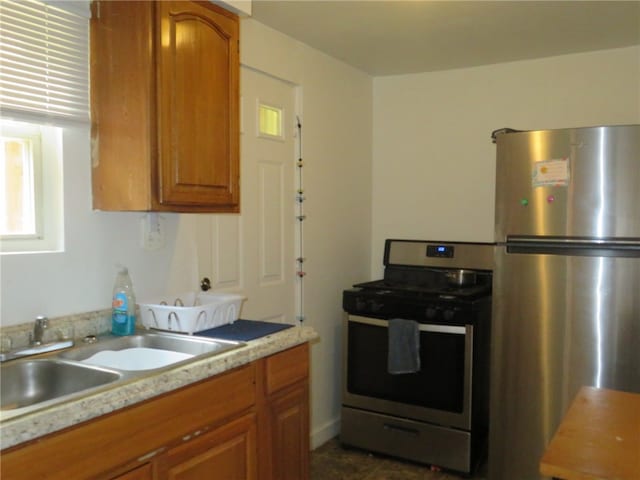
{"points": [[324, 433]]}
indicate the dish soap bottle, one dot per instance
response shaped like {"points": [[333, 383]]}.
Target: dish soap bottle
{"points": [[123, 307]]}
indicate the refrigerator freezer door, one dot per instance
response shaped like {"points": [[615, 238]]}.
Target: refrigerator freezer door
{"points": [[560, 322], [580, 183]]}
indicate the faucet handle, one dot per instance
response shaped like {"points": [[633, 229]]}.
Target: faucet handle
{"points": [[41, 324]]}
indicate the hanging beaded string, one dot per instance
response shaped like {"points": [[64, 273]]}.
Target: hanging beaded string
{"points": [[300, 217]]}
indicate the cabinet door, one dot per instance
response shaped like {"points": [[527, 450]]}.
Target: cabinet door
{"points": [[198, 105], [226, 453], [289, 419]]}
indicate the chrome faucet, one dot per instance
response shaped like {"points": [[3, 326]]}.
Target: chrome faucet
{"points": [[42, 323], [36, 342]]}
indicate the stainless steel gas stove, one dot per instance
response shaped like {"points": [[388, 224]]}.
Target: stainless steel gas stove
{"points": [[437, 415]]}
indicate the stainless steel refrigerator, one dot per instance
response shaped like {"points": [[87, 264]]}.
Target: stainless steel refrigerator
{"points": [[566, 296]]}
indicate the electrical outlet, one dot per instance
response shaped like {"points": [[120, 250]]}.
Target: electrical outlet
{"points": [[152, 232]]}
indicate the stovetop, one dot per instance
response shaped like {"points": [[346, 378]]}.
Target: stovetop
{"points": [[424, 290], [415, 284], [423, 307], [426, 283]]}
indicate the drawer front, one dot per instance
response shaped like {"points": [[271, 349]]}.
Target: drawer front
{"points": [[408, 439], [287, 367]]}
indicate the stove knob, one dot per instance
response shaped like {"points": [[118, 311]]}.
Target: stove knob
{"points": [[431, 313], [360, 305], [449, 314]]}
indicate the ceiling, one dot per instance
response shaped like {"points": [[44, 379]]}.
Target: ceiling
{"points": [[397, 37]]}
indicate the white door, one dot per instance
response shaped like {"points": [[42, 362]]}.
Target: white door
{"points": [[254, 253]]}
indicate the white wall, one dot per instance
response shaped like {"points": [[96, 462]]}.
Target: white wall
{"points": [[336, 115], [433, 160], [80, 279]]}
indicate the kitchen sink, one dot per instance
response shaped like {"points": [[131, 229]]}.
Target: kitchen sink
{"points": [[147, 351], [28, 382]]}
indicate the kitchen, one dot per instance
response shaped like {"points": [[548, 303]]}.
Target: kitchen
{"points": [[409, 157]]}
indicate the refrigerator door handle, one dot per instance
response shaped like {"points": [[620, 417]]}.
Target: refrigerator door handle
{"points": [[500, 131], [629, 247]]}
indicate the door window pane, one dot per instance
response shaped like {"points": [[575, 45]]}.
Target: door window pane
{"points": [[269, 121]]}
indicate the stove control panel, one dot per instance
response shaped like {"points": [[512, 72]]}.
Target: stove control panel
{"points": [[440, 251]]}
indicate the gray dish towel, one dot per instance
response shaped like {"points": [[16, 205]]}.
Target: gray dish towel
{"points": [[404, 346]]}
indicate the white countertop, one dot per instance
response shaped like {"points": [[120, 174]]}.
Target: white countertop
{"points": [[16, 428]]}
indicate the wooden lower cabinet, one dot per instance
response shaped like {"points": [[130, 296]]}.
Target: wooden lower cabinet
{"points": [[250, 423], [285, 426]]}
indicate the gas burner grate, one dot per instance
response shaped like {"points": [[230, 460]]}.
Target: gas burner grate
{"points": [[407, 289]]}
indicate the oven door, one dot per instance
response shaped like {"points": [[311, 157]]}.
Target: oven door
{"points": [[439, 393]]}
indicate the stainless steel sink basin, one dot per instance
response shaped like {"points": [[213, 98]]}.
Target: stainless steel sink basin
{"points": [[145, 346], [28, 382]]}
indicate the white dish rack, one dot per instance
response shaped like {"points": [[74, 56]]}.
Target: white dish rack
{"points": [[190, 312]]}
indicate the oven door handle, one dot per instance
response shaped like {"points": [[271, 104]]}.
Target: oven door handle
{"points": [[423, 327]]}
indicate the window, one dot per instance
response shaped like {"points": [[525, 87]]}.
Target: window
{"points": [[43, 87], [20, 168], [31, 180], [269, 121]]}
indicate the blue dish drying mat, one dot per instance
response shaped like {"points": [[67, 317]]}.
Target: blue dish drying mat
{"points": [[244, 330]]}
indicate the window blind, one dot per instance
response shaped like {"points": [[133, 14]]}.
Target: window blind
{"points": [[44, 60]]}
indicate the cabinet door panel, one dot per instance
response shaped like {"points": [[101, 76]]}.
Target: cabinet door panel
{"points": [[290, 434], [227, 453], [198, 105]]}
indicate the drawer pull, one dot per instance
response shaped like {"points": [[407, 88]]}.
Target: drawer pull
{"points": [[410, 431]]}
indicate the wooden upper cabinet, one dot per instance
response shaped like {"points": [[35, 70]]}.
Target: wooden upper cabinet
{"points": [[165, 106]]}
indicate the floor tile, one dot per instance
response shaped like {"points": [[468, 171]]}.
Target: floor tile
{"points": [[333, 462]]}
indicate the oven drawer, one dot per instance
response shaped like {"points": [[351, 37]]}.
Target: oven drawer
{"points": [[411, 440]]}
